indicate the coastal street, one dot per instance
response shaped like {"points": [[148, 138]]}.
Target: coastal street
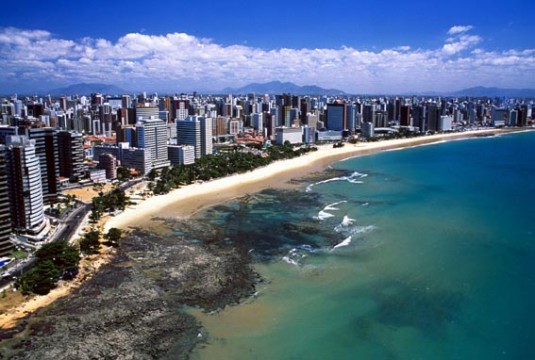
{"points": [[66, 230]]}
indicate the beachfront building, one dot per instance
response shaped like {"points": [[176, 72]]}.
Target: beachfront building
{"points": [[337, 116], [206, 136], [71, 154], [292, 134], [137, 159], [188, 132], [151, 134], [181, 154], [446, 123], [6, 246], [108, 163], [368, 129], [97, 175], [25, 188], [46, 149]]}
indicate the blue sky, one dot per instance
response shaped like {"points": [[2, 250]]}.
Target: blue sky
{"points": [[356, 46]]}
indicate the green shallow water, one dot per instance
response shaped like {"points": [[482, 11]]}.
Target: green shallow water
{"points": [[440, 263]]}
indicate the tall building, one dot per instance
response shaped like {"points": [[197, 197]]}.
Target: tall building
{"points": [[108, 162], [337, 116], [152, 135], [25, 189], [147, 112], [206, 136], [71, 154], [188, 132], [405, 115], [46, 148], [6, 246], [433, 117], [181, 154], [137, 159]]}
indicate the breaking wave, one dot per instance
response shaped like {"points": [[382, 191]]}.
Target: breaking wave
{"points": [[353, 179]]}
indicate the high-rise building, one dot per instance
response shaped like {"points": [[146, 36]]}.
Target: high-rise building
{"points": [[46, 148], [25, 188], [71, 154], [221, 126], [337, 116], [188, 132], [6, 246], [108, 162], [137, 159], [405, 115], [433, 113], [181, 154], [206, 136], [147, 112], [152, 135]]}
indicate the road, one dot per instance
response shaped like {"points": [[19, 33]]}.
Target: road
{"points": [[65, 231]]}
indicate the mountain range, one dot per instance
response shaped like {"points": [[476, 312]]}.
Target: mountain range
{"points": [[480, 91], [86, 89], [277, 87]]}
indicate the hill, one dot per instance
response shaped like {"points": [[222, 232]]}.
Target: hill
{"points": [[87, 88], [277, 87], [481, 91]]}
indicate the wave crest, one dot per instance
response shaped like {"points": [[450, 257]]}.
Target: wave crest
{"points": [[353, 179]]}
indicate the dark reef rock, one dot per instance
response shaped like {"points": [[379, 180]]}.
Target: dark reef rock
{"points": [[132, 308]]}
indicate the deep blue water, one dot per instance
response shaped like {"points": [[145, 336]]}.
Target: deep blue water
{"points": [[436, 259]]}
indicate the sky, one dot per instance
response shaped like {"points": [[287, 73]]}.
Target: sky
{"points": [[359, 47]]}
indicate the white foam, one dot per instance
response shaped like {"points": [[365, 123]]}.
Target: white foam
{"points": [[293, 257], [353, 179], [290, 261], [322, 215], [346, 242], [332, 206], [347, 221]]}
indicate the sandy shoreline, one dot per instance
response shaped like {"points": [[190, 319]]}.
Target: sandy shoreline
{"points": [[190, 199]]}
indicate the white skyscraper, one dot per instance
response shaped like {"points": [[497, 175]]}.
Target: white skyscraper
{"points": [[152, 135], [25, 187], [206, 136]]}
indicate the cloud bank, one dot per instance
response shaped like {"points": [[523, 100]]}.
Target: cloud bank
{"points": [[36, 59]]}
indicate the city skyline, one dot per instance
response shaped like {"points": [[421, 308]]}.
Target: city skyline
{"points": [[357, 48]]}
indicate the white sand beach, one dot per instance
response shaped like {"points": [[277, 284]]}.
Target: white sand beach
{"points": [[185, 201]]}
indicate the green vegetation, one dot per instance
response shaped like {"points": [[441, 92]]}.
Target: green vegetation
{"points": [[217, 166], [114, 200], [90, 242], [113, 236], [123, 173], [55, 261]]}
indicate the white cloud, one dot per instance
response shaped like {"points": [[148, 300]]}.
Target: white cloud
{"points": [[455, 45], [182, 62], [459, 29]]}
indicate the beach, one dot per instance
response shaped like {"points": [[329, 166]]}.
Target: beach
{"points": [[188, 200]]}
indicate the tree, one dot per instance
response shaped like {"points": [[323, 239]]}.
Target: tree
{"points": [[90, 243], [54, 261], [123, 173], [113, 236]]}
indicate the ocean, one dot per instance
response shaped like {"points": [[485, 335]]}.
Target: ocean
{"points": [[419, 253]]}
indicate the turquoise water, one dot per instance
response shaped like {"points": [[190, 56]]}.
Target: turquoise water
{"points": [[435, 259]]}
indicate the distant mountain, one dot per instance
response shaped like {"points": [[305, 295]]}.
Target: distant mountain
{"points": [[277, 87], [86, 89], [480, 91]]}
